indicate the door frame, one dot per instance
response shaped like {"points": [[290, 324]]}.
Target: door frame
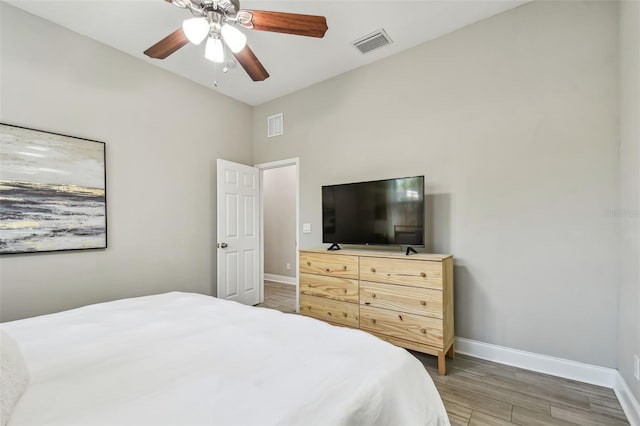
{"points": [[276, 165]]}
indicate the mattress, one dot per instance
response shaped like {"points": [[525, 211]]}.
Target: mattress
{"points": [[190, 359]]}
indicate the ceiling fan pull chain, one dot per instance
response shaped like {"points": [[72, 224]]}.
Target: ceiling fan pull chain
{"points": [[215, 74]]}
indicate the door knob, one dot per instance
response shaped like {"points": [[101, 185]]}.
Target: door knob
{"points": [[223, 245]]}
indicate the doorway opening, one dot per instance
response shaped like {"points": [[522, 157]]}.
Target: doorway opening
{"points": [[279, 215]]}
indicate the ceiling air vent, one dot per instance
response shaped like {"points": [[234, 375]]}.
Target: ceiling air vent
{"points": [[373, 41]]}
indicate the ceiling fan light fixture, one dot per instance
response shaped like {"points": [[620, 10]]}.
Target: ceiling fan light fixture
{"points": [[214, 51], [234, 38], [219, 20], [196, 29]]}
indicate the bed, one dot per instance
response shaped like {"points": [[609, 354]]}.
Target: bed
{"points": [[190, 359]]}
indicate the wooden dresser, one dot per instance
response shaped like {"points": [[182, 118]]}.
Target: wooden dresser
{"points": [[406, 300]]}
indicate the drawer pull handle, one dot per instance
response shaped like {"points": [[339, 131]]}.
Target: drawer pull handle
{"points": [[400, 316], [328, 270], [423, 331], [344, 290], [308, 263], [373, 295], [344, 314], [373, 321], [344, 268], [373, 269], [367, 303], [423, 275], [423, 303]]}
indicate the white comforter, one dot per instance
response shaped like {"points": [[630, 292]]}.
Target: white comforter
{"points": [[190, 359]]}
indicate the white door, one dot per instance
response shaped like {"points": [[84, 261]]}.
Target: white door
{"points": [[238, 232]]}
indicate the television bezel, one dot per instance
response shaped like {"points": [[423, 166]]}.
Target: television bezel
{"points": [[424, 219]]}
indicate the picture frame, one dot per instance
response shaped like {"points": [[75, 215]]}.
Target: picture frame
{"points": [[53, 192]]}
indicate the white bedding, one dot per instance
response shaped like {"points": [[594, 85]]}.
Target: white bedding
{"points": [[190, 359]]}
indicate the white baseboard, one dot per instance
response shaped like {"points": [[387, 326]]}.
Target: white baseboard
{"points": [[560, 367], [280, 279], [629, 403], [574, 370]]}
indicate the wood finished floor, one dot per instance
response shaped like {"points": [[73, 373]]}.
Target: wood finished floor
{"points": [[478, 393], [279, 296]]}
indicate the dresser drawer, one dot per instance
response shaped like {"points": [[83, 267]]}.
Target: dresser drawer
{"points": [[412, 300], [321, 308], [417, 273], [414, 328], [335, 265], [345, 289]]}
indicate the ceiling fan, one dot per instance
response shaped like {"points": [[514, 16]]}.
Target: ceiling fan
{"points": [[216, 21]]}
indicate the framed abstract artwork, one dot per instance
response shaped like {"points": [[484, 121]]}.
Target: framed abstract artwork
{"points": [[52, 192]]}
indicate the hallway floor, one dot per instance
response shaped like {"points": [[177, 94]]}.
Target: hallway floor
{"points": [[279, 296]]}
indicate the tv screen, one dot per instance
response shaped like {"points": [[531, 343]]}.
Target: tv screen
{"points": [[383, 212]]}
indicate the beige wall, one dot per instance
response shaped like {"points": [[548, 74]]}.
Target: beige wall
{"points": [[628, 213], [279, 196], [163, 135], [513, 122]]}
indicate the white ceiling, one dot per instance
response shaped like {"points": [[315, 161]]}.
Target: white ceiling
{"points": [[293, 62]]}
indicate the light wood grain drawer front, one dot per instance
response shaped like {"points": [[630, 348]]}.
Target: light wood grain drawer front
{"points": [[414, 346], [345, 289], [335, 265], [419, 273], [413, 300], [404, 326], [330, 310]]}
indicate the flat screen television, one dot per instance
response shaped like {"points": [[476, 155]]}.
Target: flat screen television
{"points": [[382, 212]]}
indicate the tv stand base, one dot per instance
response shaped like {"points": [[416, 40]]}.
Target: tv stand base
{"points": [[334, 247], [410, 250]]}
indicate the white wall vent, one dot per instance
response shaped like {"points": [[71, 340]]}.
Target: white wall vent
{"points": [[373, 41], [275, 125]]}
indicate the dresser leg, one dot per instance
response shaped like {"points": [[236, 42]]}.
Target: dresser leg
{"points": [[442, 368], [451, 352]]}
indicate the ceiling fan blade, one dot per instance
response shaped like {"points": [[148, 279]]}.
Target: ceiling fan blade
{"points": [[167, 45], [289, 23], [251, 64]]}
